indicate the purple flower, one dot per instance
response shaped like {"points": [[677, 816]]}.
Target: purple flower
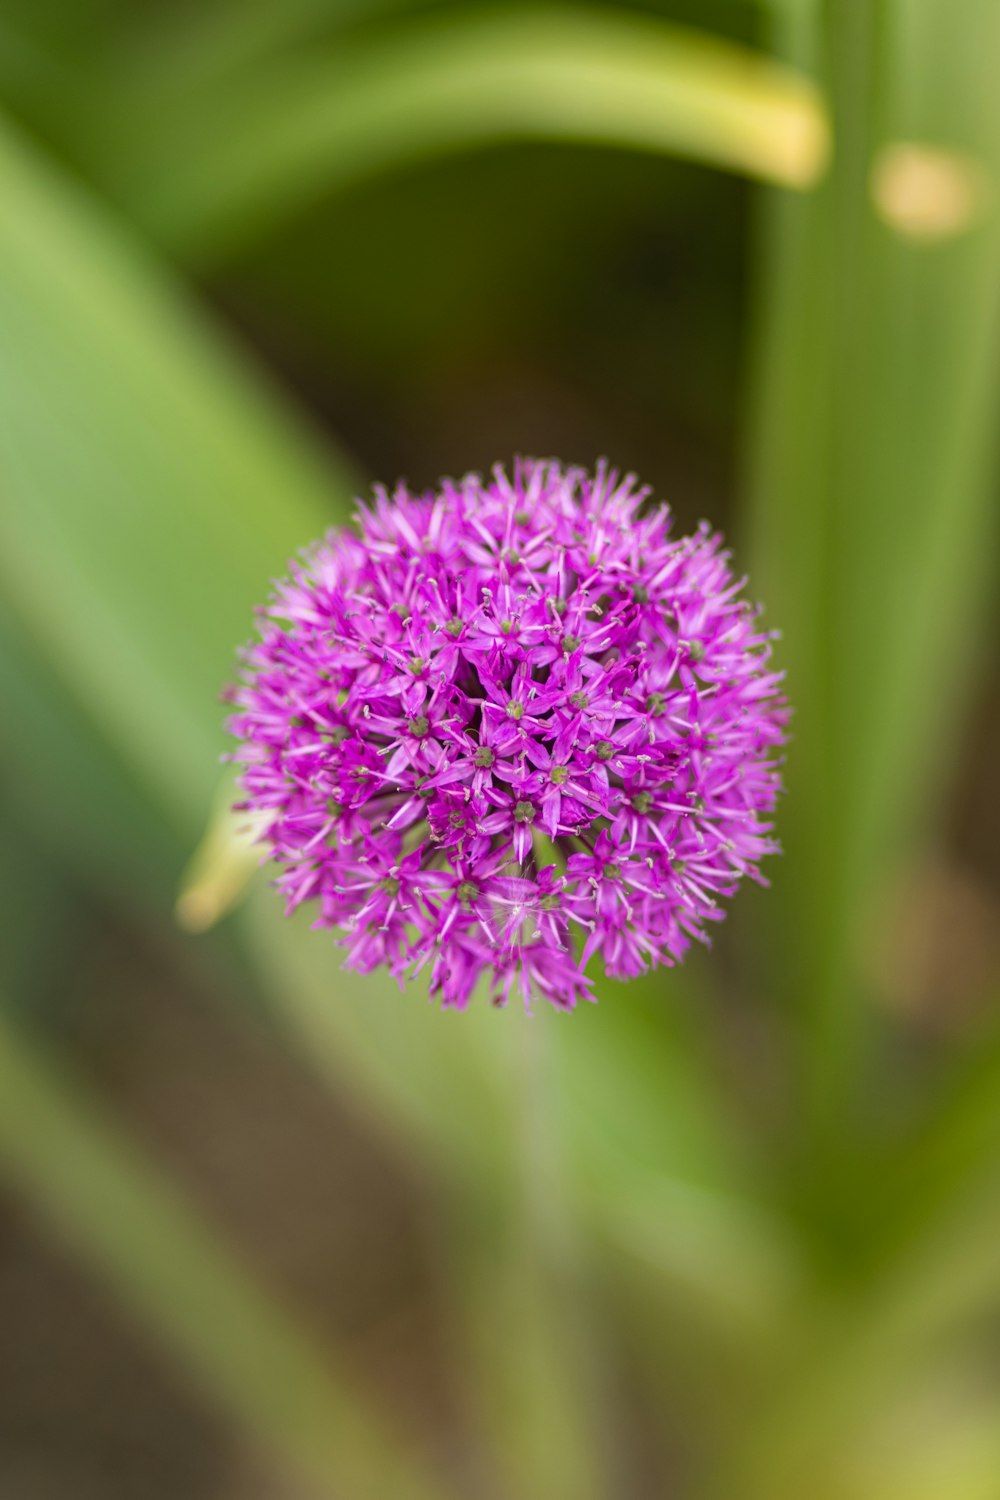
{"points": [[511, 725]]}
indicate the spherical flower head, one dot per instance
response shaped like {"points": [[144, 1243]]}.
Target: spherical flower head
{"points": [[509, 725]]}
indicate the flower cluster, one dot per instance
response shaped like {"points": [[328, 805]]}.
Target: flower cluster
{"points": [[509, 725]]}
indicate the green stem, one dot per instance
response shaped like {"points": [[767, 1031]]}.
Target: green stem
{"points": [[476, 1103], [525, 1309]]}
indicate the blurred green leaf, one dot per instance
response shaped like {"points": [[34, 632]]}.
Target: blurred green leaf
{"points": [[853, 1351], [872, 461], [954, 1145], [873, 516], [150, 488], [190, 46], [68, 784], [204, 172], [35, 900], [110, 1203]]}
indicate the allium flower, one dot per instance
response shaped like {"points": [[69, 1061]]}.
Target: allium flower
{"points": [[510, 725]]}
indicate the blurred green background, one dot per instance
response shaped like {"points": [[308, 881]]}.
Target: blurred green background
{"points": [[269, 1230]]}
